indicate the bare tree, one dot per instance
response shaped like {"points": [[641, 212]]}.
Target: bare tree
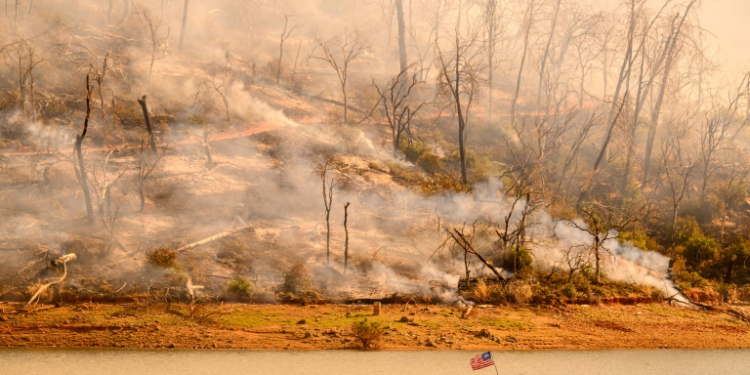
{"points": [[145, 168], [81, 165], [529, 22], [459, 76], [284, 36], [397, 105], [339, 52], [576, 257], [346, 240], [721, 123], [602, 223], [158, 43], [215, 83], [545, 55], [646, 82], [328, 171], [184, 24], [401, 34], [494, 29], [678, 167], [147, 119]]}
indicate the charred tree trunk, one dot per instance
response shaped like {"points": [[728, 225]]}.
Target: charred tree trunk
{"points": [[207, 148], [730, 268], [184, 25], [461, 123], [81, 165], [151, 140], [546, 53], [523, 62], [401, 34], [346, 238], [597, 258]]}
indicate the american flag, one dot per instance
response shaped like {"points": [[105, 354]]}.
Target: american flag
{"points": [[481, 361]]}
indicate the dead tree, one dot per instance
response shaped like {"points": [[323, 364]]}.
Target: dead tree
{"points": [[656, 111], [575, 258], [329, 182], [399, 111], [646, 82], [623, 80], [184, 25], [77, 148], [147, 118], [346, 240], [602, 223], [216, 83], [527, 33], [401, 34], [339, 52], [460, 239], [284, 35], [459, 77], [207, 149], [722, 123], [678, 168], [545, 55], [104, 190], [145, 168], [157, 43], [494, 29], [63, 260]]}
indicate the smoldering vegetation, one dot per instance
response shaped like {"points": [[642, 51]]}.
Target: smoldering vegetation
{"points": [[521, 151]]}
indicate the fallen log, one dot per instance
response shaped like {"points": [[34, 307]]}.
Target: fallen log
{"points": [[61, 260], [215, 237]]}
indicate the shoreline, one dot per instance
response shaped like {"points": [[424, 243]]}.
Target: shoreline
{"points": [[407, 327]]}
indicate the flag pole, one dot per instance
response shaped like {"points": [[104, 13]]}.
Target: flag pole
{"points": [[494, 364]]}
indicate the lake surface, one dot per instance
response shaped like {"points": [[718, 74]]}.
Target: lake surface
{"points": [[169, 362]]}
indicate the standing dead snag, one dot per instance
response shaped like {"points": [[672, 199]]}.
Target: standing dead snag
{"points": [[461, 80], [184, 24], [351, 46], [602, 223], [151, 141], [346, 241], [77, 148], [329, 165], [327, 202], [207, 148], [144, 171], [284, 36], [397, 105]]}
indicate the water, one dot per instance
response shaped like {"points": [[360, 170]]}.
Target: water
{"points": [[169, 362]]}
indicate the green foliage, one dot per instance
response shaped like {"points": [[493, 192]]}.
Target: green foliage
{"points": [[421, 155], [368, 333], [569, 290], [241, 288], [689, 280], [639, 239], [162, 257], [699, 250], [517, 259], [739, 249]]}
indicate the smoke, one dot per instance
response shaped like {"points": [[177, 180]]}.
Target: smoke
{"points": [[267, 181]]}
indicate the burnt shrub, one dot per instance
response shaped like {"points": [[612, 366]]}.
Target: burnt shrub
{"points": [[162, 257], [368, 333]]}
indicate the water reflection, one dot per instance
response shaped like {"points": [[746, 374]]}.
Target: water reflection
{"points": [[167, 362]]}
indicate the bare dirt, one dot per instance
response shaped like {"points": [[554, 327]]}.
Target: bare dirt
{"points": [[410, 327]]}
